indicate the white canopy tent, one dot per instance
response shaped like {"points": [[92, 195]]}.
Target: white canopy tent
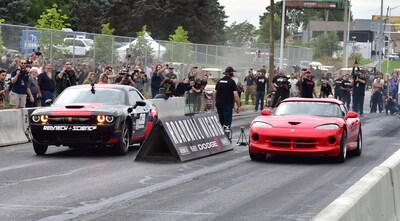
{"points": [[158, 50]]}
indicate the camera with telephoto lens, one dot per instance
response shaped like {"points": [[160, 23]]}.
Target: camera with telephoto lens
{"points": [[37, 53]]}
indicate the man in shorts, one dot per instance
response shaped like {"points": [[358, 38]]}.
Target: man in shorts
{"points": [[20, 89]]}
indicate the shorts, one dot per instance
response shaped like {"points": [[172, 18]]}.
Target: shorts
{"points": [[18, 100]]}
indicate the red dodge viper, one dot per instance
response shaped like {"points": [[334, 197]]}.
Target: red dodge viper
{"points": [[306, 127]]}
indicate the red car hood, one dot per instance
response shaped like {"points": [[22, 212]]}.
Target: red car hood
{"points": [[298, 121]]}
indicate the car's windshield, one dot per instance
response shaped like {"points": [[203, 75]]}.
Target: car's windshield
{"points": [[85, 95], [309, 108]]}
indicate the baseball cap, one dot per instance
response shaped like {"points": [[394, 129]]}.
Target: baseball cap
{"points": [[308, 71], [171, 67], [229, 70]]}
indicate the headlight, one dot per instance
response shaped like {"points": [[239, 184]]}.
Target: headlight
{"points": [[327, 127], [109, 119], [44, 119], [35, 118], [101, 119], [259, 124]]}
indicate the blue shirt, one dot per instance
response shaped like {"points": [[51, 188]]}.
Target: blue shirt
{"points": [[21, 85]]}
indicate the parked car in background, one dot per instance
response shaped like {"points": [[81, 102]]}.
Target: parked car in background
{"points": [[394, 57], [77, 46]]}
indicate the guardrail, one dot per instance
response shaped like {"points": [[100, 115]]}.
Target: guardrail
{"points": [[376, 196]]}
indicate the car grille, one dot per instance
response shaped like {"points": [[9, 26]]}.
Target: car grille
{"points": [[293, 143], [71, 120]]}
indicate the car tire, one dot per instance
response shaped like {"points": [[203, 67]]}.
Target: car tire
{"points": [[343, 148], [257, 156], [358, 150], [122, 146], [40, 149]]}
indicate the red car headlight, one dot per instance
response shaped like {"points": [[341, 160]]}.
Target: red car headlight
{"points": [[259, 124], [327, 127]]}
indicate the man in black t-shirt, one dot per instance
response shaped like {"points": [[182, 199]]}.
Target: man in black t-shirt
{"points": [[345, 89], [281, 86], [225, 96], [338, 84], [260, 80], [308, 86], [358, 90]]}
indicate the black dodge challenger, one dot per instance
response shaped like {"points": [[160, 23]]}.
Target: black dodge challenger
{"points": [[97, 115]]}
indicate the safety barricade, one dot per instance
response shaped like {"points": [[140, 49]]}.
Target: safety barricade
{"points": [[184, 138], [11, 128]]}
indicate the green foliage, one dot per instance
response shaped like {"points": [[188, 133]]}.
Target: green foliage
{"points": [[326, 45], [179, 52], [15, 11], [52, 18], [1, 38], [87, 15], [264, 30], [102, 45], [239, 35], [37, 7]]}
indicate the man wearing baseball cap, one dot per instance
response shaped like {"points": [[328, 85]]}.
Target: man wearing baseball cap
{"points": [[307, 85], [225, 96]]}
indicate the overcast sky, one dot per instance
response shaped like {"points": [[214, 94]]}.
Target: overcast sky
{"points": [[250, 10]]}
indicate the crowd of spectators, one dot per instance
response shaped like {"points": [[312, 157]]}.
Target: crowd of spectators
{"points": [[33, 80]]}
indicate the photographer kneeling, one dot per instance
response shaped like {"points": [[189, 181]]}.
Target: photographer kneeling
{"points": [[167, 85]]}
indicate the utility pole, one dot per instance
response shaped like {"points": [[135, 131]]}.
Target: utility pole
{"points": [[345, 37], [380, 35], [271, 45]]}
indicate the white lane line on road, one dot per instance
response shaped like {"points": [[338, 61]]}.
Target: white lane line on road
{"points": [[33, 207], [21, 166], [87, 209], [168, 212]]}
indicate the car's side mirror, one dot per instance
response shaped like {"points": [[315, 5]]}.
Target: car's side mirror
{"points": [[351, 114], [139, 103], [266, 112]]}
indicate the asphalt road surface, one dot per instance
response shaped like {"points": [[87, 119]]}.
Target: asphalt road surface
{"points": [[90, 184]]}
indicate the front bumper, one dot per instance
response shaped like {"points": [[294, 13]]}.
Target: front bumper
{"points": [[306, 142]]}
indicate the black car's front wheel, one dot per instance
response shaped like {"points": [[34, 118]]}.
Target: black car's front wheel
{"points": [[39, 149], [122, 146]]}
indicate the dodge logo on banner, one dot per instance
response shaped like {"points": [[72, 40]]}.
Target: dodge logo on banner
{"points": [[188, 137]]}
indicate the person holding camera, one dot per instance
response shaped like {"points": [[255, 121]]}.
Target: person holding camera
{"points": [[225, 96], [358, 85], [167, 85], [140, 78], [33, 86], [156, 79], [20, 89], [3, 87], [124, 78], [337, 88], [66, 77]]}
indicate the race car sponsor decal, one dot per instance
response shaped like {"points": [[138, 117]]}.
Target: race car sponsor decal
{"points": [[184, 150], [69, 128], [140, 122]]}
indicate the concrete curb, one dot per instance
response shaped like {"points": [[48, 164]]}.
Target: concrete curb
{"points": [[12, 128]]}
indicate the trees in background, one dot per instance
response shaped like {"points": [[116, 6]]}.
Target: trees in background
{"points": [[179, 52]]}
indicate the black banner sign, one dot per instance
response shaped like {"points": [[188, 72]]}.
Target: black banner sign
{"points": [[184, 138]]}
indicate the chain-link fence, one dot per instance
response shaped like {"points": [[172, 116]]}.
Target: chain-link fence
{"points": [[100, 50]]}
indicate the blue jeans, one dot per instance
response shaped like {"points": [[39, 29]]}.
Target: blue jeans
{"points": [[45, 96], [260, 97], [225, 114]]}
